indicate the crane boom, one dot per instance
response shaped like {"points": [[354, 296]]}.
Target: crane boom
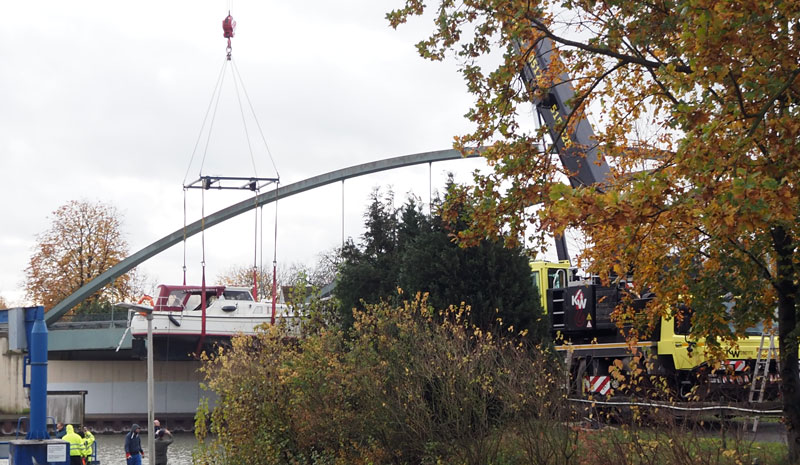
{"points": [[576, 148]]}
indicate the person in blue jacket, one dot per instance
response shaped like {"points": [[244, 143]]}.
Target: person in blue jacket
{"points": [[133, 446]]}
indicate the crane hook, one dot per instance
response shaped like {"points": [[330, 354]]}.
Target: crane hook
{"points": [[228, 26]]}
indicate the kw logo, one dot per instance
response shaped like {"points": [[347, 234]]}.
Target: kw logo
{"points": [[578, 300]]}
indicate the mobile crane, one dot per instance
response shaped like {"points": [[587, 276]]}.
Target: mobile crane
{"points": [[580, 310]]}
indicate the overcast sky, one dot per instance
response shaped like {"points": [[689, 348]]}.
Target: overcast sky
{"points": [[103, 101]]}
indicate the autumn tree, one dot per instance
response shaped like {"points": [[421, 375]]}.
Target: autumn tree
{"points": [[83, 241], [318, 275], [324, 270], [242, 275], [697, 109], [3, 303]]}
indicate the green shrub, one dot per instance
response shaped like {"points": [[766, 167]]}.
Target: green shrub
{"points": [[406, 385]]}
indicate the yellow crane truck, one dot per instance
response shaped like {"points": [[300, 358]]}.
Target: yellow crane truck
{"points": [[598, 354], [580, 311]]}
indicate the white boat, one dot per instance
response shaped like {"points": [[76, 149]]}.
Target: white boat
{"points": [[180, 322]]}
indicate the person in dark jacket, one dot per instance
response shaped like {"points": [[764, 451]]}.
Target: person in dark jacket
{"points": [[133, 446], [163, 440], [60, 431]]}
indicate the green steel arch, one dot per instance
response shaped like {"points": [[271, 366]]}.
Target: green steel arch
{"points": [[237, 209]]}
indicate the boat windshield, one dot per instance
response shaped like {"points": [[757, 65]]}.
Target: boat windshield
{"points": [[237, 295], [175, 299], [195, 302], [182, 300]]}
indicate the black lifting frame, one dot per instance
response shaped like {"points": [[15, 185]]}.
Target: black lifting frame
{"points": [[230, 182]]}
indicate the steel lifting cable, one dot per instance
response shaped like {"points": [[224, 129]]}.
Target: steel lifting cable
{"points": [[237, 80], [255, 251], [258, 124], [238, 77], [203, 302], [228, 26], [184, 236], [203, 272], [342, 214], [275, 258], [217, 87], [244, 123], [213, 117], [213, 103], [214, 97], [255, 171], [430, 189], [261, 251]]}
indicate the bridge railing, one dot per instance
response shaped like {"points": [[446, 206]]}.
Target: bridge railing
{"points": [[113, 319]]}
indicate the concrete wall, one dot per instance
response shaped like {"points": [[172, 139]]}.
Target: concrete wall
{"points": [[119, 388], [114, 388], [13, 398]]}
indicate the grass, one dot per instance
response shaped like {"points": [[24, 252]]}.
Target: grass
{"points": [[623, 445]]}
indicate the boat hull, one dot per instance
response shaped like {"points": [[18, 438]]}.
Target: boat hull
{"points": [[177, 335], [177, 348], [178, 324], [181, 328]]}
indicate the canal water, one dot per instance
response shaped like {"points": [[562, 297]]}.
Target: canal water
{"points": [[111, 449]]}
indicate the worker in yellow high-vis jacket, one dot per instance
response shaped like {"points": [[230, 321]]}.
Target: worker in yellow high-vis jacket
{"points": [[75, 446], [88, 442]]}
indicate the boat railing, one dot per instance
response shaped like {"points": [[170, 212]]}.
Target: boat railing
{"points": [[162, 303]]}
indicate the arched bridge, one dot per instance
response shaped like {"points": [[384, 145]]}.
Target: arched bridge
{"points": [[237, 209]]}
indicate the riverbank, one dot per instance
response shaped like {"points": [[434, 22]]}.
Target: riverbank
{"points": [[106, 424]]}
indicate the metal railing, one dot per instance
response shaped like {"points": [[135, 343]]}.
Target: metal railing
{"points": [[113, 319]]}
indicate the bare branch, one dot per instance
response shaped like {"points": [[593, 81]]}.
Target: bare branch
{"points": [[605, 51]]}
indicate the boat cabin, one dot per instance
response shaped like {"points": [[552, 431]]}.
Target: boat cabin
{"points": [[179, 298]]}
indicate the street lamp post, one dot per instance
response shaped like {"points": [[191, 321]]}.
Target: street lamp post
{"points": [[151, 445]]}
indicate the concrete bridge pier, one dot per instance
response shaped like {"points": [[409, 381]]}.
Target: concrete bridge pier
{"points": [[116, 390], [13, 399]]}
